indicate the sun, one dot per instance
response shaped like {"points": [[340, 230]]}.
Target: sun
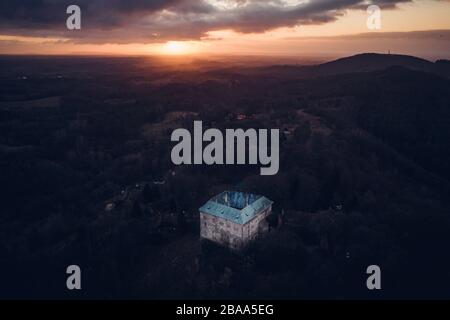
{"points": [[177, 48]]}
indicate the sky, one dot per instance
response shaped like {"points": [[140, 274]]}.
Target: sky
{"points": [[226, 27]]}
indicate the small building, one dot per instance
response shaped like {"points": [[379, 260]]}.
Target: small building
{"points": [[110, 207], [233, 218]]}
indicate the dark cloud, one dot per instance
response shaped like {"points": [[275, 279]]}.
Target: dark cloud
{"points": [[97, 13], [116, 21]]}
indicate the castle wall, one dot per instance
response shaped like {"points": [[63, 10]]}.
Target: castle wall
{"points": [[251, 228], [228, 233], [220, 230]]}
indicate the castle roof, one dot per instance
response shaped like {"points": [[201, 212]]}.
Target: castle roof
{"points": [[235, 206]]}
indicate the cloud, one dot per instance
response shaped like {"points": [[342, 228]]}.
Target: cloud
{"points": [[441, 35], [147, 21]]}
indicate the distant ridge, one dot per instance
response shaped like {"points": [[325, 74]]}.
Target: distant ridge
{"points": [[368, 62], [365, 62]]}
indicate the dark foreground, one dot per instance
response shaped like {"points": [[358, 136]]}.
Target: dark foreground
{"points": [[364, 178]]}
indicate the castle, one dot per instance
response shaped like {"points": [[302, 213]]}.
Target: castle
{"points": [[233, 218]]}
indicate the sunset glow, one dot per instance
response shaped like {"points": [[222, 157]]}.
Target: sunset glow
{"points": [[177, 48]]}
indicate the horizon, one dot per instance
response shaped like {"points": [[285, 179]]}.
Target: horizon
{"points": [[193, 62]]}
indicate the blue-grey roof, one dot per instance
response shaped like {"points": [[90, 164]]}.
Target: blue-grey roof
{"points": [[238, 207]]}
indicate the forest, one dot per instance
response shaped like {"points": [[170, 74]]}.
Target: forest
{"points": [[87, 178]]}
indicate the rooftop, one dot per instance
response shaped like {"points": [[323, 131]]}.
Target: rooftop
{"points": [[238, 207]]}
